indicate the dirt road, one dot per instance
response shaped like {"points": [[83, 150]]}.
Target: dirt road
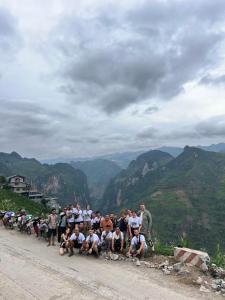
{"points": [[30, 270]]}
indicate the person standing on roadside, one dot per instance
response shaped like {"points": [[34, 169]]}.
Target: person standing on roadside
{"points": [[134, 222], [62, 224], [52, 227], [146, 222]]}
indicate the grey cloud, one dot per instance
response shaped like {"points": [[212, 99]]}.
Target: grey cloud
{"points": [[25, 120], [149, 51], [213, 127], [147, 111], [80, 140], [148, 133], [213, 80], [151, 110], [10, 38]]}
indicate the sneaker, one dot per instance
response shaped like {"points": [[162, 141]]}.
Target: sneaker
{"points": [[71, 254]]}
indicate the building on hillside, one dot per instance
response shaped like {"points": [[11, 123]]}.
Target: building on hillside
{"points": [[18, 184], [36, 196]]}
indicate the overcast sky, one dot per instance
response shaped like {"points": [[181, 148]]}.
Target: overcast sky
{"points": [[82, 78]]}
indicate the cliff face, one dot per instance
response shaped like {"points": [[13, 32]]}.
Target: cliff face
{"points": [[184, 194]]}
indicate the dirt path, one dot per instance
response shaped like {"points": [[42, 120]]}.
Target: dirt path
{"points": [[30, 270]]}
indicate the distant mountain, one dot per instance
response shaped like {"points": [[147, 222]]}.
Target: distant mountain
{"points": [[214, 147], [174, 151], [186, 194], [99, 172], [121, 159], [60, 180], [115, 195]]}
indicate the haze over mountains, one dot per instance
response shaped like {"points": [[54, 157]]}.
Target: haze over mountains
{"points": [[124, 158]]}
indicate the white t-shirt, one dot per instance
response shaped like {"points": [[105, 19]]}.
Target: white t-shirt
{"points": [[93, 238], [136, 240], [78, 212], [134, 222], [106, 235], [119, 236], [80, 238], [87, 215], [71, 217]]}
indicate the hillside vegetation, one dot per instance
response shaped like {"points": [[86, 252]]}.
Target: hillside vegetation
{"points": [[10, 201], [60, 180], [185, 195]]}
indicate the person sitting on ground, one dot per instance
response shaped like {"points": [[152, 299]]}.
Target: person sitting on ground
{"points": [[52, 227], [118, 243], [106, 224], [138, 245], [64, 241], [106, 240], [92, 244], [134, 222], [76, 240]]}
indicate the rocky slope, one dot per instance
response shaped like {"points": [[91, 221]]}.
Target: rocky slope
{"points": [[185, 195]]}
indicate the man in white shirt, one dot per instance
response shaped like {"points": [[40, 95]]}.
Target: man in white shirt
{"points": [[87, 213], [138, 245], [106, 240], [78, 215], [76, 241], [134, 222], [92, 244], [117, 241]]}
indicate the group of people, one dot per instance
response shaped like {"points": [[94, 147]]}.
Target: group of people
{"points": [[91, 233]]}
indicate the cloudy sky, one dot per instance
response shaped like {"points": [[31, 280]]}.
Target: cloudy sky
{"points": [[81, 78]]}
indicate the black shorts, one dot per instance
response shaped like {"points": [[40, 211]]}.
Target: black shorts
{"points": [[76, 245], [51, 232]]}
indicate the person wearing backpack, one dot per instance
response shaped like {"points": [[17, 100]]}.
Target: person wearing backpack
{"points": [[118, 243], [138, 245]]}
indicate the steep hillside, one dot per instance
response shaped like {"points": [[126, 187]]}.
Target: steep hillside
{"points": [[60, 180], [185, 195], [12, 201], [147, 163], [99, 172]]}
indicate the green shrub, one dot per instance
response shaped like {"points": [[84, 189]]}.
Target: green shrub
{"points": [[162, 249], [219, 257]]}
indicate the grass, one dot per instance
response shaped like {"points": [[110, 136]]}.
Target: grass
{"points": [[12, 201], [164, 249], [219, 258]]}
